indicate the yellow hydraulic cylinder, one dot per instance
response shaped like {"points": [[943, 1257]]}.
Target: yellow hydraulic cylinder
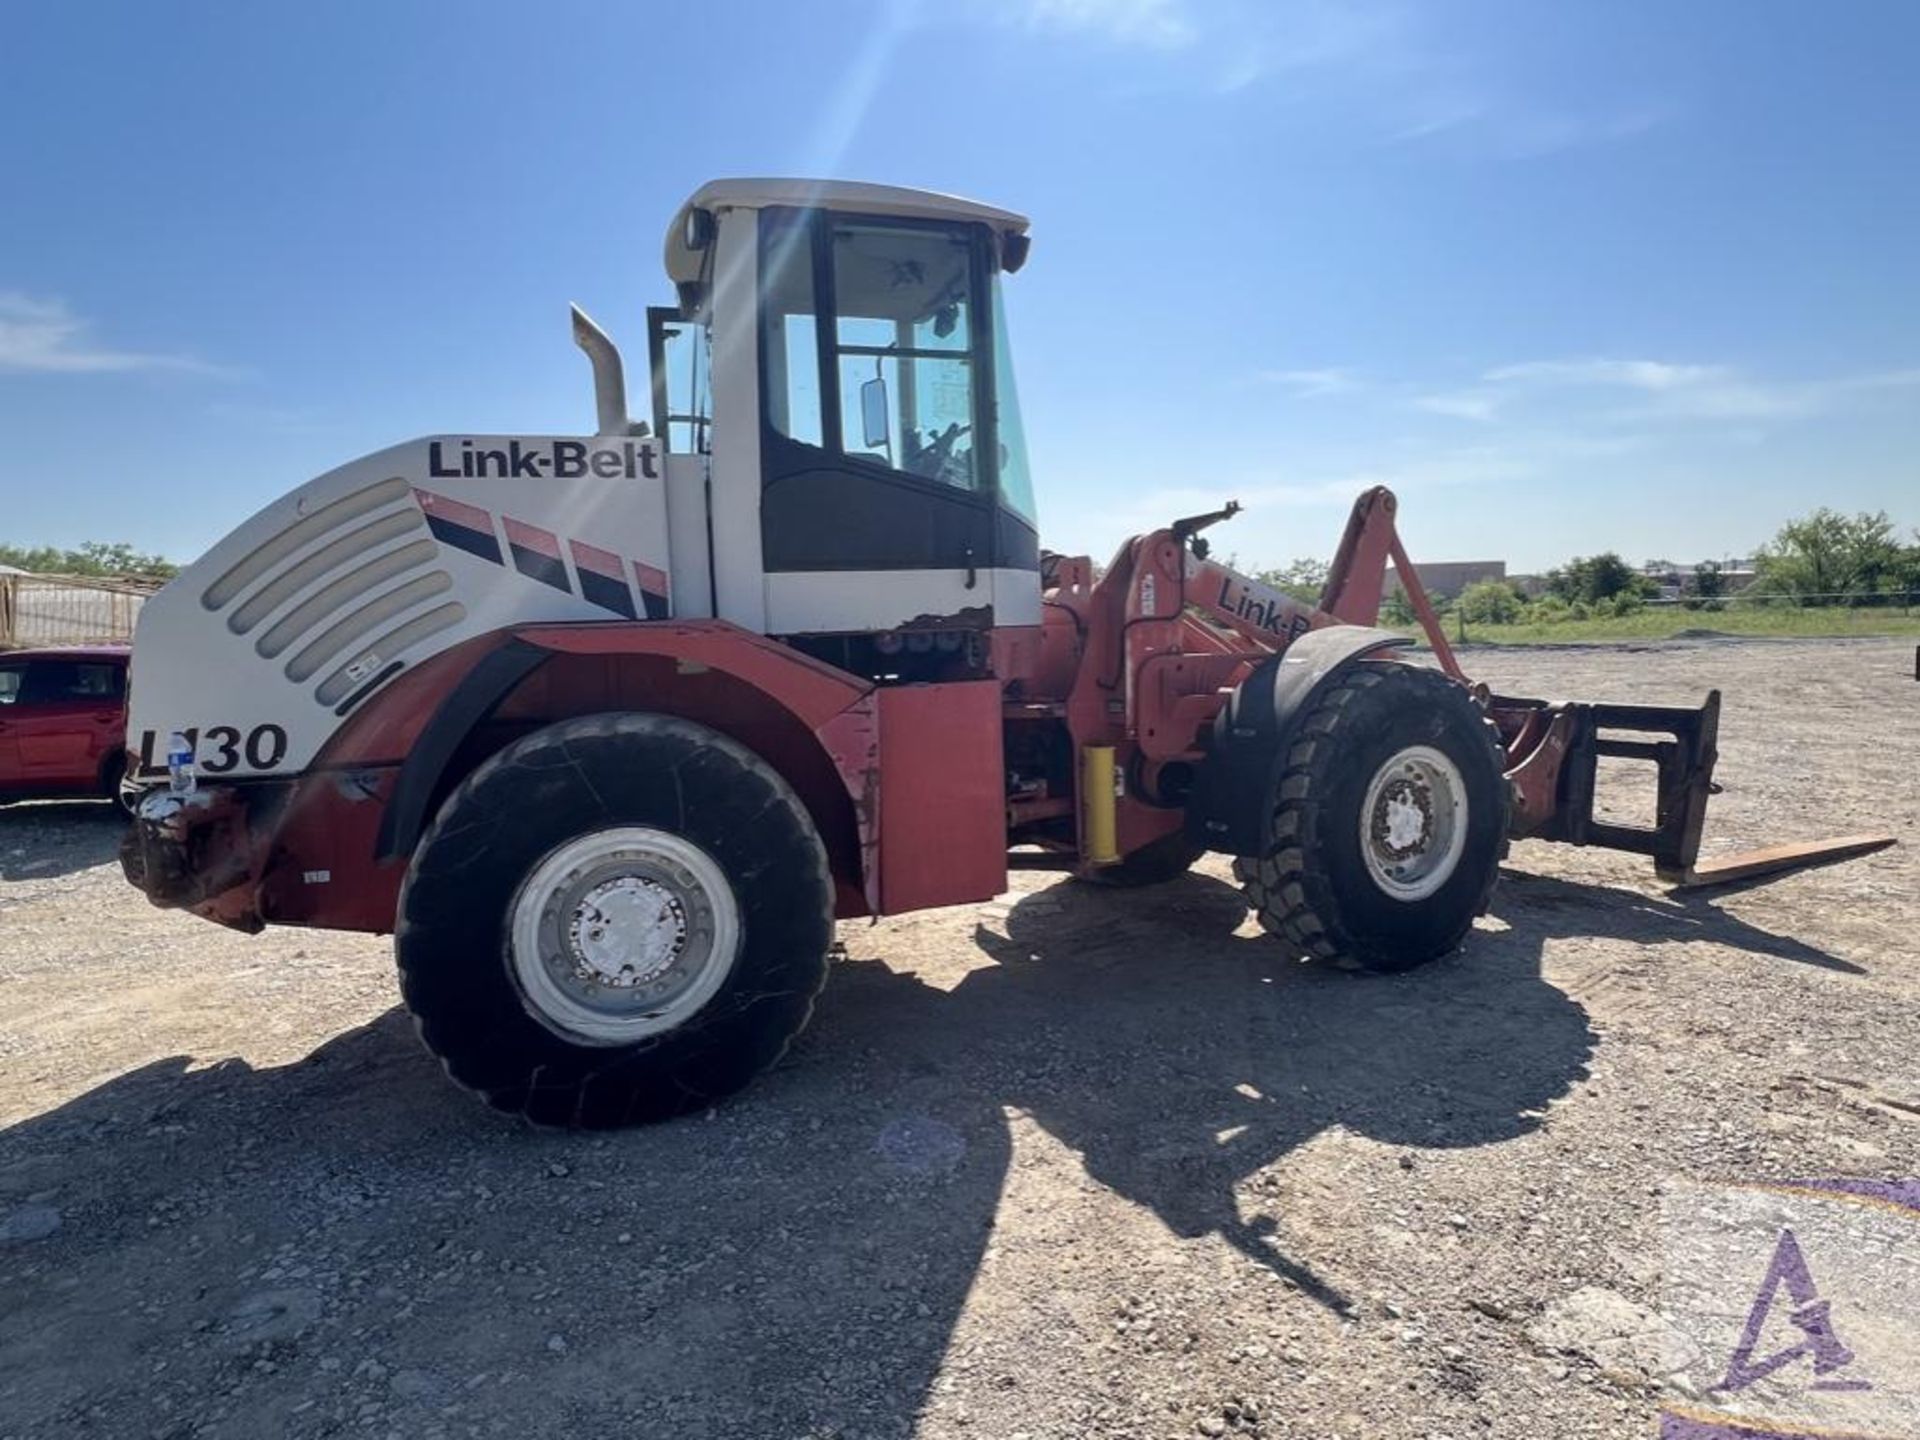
{"points": [[1099, 783]]}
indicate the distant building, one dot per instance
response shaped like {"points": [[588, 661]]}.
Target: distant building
{"points": [[1450, 577], [1678, 581]]}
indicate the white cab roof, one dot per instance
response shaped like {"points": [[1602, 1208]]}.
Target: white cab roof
{"points": [[855, 196]]}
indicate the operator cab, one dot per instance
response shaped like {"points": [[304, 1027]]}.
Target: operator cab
{"points": [[838, 362]]}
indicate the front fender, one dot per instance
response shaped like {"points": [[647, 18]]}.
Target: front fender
{"points": [[1231, 808]]}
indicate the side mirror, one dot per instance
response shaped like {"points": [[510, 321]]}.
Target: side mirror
{"points": [[874, 410], [697, 233]]}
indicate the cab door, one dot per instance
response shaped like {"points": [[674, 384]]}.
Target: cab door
{"points": [[878, 429], [69, 715], [682, 381]]}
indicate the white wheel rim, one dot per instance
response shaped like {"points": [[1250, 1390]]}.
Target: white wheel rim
{"points": [[1413, 823], [621, 934]]}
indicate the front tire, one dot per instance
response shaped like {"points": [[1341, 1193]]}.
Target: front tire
{"points": [[1389, 824], [617, 919]]}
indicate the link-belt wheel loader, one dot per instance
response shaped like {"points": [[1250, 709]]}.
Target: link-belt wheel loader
{"points": [[609, 730]]}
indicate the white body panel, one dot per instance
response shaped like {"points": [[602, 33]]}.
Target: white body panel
{"points": [[260, 648], [737, 556], [691, 547]]}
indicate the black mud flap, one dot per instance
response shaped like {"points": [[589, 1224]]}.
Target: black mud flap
{"points": [[1231, 808]]}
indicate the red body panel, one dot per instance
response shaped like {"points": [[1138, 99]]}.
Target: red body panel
{"points": [[943, 809], [321, 869], [63, 718], [906, 785]]}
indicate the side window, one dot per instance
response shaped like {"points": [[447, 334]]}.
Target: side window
{"points": [[789, 338], [100, 681], [12, 679], [682, 382], [902, 349], [66, 682]]}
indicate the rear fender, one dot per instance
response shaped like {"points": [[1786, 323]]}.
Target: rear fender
{"points": [[771, 698], [1231, 809]]}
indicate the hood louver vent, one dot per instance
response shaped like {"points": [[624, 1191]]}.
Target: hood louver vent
{"points": [[357, 567]]}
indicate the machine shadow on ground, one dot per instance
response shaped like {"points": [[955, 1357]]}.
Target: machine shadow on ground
{"points": [[792, 1264], [41, 839]]}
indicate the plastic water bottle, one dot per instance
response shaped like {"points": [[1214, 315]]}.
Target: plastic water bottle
{"points": [[180, 776]]}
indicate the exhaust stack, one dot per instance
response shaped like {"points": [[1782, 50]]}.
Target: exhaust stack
{"points": [[609, 374]]}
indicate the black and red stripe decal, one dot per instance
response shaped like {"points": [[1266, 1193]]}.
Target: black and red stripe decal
{"points": [[465, 527], [603, 579], [536, 554], [653, 589]]}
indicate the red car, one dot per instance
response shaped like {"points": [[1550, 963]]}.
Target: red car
{"points": [[63, 722]]}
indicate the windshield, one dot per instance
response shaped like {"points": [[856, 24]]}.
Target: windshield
{"points": [[904, 311], [873, 347], [1016, 481]]}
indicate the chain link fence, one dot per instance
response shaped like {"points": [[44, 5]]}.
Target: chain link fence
{"points": [[69, 610]]}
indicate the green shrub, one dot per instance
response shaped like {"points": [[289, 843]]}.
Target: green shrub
{"points": [[1490, 602]]}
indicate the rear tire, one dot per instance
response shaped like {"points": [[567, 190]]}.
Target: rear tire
{"points": [[1389, 825], [615, 920]]}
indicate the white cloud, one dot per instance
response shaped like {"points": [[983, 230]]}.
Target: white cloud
{"points": [[1527, 132], [1159, 24], [1313, 384], [1636, 374], [1238, 42], [1678, 391], [1460, 404], [1319, 485], [42, 336], [1375, 65]]}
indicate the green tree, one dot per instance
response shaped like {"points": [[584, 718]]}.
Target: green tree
{"points": [[1593, 578], [93, 558], [1708, 589], [1303, 579], [1908, 574], [1823, 557]]}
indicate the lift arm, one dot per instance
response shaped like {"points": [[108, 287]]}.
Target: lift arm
{"points": [[1552, 750]]}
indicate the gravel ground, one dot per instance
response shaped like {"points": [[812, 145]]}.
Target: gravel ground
{"points": [[1072, 1163]]}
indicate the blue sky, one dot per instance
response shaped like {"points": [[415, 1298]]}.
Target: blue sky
{"points": [[1624, 274]]}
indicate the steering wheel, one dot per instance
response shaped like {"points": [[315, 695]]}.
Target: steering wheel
{"points": [[937, 454]]}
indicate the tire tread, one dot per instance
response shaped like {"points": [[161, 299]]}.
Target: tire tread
{"points": [[1289, 890]]}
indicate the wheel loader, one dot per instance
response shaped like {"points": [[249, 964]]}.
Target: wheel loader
{"points": [[609, 730]]}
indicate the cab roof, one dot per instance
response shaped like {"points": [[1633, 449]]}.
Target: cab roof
{"points": [[66, 652], [854, 196]]}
